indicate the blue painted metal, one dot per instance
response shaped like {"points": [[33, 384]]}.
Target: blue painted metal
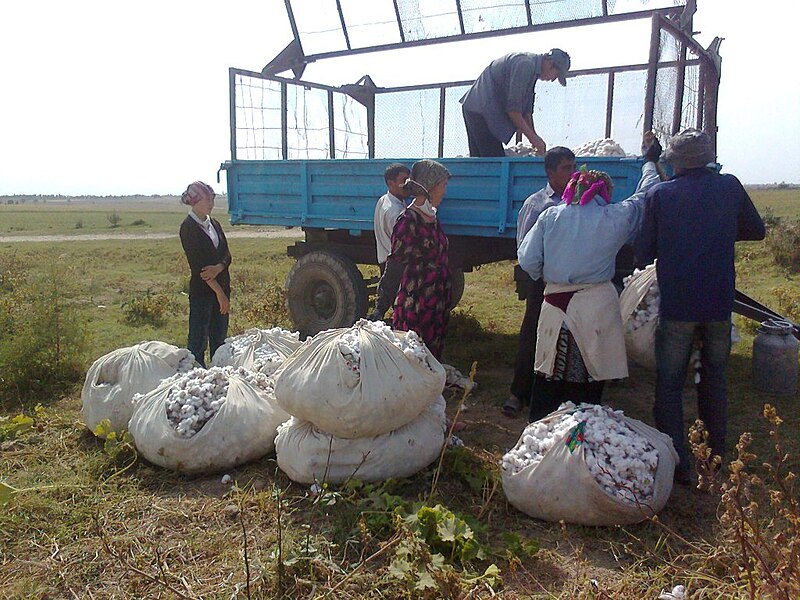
{"points": [[483, 197]]}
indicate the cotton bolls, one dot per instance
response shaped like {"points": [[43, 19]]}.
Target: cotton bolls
{"points": [[199, 394], [603, 147], [350, 344], [621, 461], [266, 359]]}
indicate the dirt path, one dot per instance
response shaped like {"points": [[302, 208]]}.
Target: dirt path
{"points": [[264, 233]]}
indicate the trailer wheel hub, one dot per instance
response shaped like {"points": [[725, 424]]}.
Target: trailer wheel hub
{"points": [[323, 299]]}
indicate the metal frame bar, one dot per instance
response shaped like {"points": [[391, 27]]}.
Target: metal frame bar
{"points": [[344, 25], [621, 17], [677, 111], [652, 67], [232, 109], [609, 102], [460, 17], [331, 126], [528, 12], [284, 120], [442, 97], [399, 21]]}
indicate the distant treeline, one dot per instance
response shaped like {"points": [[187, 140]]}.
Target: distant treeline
{"points": [[61, 198]]}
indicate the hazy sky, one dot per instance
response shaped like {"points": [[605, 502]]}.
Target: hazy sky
{"points": [[115, 98]]}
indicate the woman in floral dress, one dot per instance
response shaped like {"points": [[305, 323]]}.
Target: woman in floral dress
{"points": [[420, 245]]}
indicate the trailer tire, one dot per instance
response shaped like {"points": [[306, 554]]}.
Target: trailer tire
{"points": [[457, 286], [325, 291]]}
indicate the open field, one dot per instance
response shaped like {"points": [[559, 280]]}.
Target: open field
{"points": [[94, 523]]}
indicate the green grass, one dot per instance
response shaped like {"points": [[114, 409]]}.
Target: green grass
{"points": [[108, 527], [91, 217]]}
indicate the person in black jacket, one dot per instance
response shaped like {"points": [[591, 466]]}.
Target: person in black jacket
{"points": [[207, 252]]}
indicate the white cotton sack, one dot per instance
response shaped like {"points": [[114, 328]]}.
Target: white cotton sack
{"points": [[261, 350], [308, 455], [560, 486], [359, 382], [242, 428], [639, 304], [115, 378]]}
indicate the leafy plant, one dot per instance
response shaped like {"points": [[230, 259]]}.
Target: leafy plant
{"points": [[783, 243], [147, 309], [43, 341], [139, 222]]}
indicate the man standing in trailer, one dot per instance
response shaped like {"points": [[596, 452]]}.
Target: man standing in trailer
{"points": [[500, 102]]}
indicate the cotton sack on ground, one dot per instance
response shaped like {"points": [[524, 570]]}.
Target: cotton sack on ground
{"points": [[207, 420], [307, 454], [589, 465], [359, 382], [115, 378]]}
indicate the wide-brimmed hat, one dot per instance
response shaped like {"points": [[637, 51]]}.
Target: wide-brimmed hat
{"points": [[562, 62], [690, 149]]}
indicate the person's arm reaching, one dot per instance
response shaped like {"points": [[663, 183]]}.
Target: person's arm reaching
{"points": [[525, 125]]}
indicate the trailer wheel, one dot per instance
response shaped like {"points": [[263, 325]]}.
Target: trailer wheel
{"points": [[457, 283], [325, 291]]}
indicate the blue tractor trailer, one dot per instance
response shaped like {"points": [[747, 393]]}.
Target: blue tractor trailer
{"points": [[311, 155]]}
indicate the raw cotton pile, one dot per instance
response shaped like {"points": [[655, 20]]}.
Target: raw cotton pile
{"points": [[261, 350], [520, 149], [647, 309], [195, 397], [359, 382], [206, 421], [308, 455], [603, 147], [623, 462], [589, 465], [409, 344], [115, 378]]}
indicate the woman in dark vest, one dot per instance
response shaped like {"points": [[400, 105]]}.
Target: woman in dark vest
{"points": [[207, 252]]}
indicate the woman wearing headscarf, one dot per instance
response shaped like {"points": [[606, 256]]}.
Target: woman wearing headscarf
{"points": [[573, 246], [207, 252], [420, 245]]}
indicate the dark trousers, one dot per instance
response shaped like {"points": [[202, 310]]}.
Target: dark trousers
{"points": [[391, 274], [207, 327], [547, 395], [480, 139], [674, 341], [522, 383]]}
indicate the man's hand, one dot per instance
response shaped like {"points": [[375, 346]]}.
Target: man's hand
{"points": [[211, 271], [651, 148], [538, 144], [224, 303]]}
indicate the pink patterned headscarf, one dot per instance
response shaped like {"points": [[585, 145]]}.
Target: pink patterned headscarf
{"points": [[196, 192], [585, 185]]}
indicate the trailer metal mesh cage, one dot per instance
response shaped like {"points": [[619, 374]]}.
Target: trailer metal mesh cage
{"points": [[274, 117], [326, 27]]}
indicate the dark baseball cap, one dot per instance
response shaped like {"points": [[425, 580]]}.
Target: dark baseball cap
{"points": [[562, 62]]}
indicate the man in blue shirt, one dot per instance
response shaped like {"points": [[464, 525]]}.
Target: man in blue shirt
{"points": [[690, 225], [559, 165], [500, 102]]}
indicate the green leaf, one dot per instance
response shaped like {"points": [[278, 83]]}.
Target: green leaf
{"points": [[425, 581], [399, 568], [6, 492], [103, 428], [453, 529], [10, 428]]}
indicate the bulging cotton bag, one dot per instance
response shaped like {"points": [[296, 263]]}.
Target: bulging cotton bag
{"points": [[561, 487], [308, 455], [243, 429], [389, 389], [261, 350], [114, 379], [640, 337]]}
